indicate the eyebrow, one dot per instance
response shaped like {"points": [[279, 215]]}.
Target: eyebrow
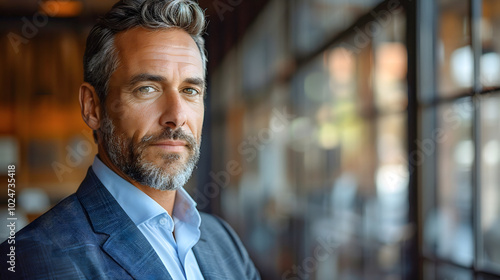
{"points": [[142, 77], [196, 81]]}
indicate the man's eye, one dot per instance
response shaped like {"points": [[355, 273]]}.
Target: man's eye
{"points": [[191, 91], [146, 90]]}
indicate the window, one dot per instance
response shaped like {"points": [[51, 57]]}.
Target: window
{"points": [[386, 163], [459, 129]]}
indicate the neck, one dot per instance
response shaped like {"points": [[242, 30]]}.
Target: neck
{"points": [[165, 199]]}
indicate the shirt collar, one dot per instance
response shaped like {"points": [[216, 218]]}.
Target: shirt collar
{"points": [[138, 205], [185, 209]]}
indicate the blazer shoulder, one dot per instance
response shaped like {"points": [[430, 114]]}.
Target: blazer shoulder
{"points": [[220, 229], [226, 242], [60, 225], [40, 246]]}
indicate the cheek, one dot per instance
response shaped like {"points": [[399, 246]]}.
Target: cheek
{"points": [[135, 122], [197, 122]]}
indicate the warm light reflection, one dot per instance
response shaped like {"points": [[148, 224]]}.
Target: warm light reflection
{"points": [[391, 61], [62, 8], [390, 76], [341, 65]]}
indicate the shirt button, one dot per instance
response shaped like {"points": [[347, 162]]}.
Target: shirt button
{"points": [[163, 221]]}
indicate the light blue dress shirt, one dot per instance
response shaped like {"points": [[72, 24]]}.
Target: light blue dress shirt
{"points": [[157, 225]]}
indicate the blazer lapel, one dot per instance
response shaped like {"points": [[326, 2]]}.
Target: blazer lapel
{"points": [[125, 243]]}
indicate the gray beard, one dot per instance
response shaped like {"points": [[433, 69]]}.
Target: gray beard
{"points": [[129, 158]]}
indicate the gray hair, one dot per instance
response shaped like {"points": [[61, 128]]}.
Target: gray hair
{"points": [[101, 59]]}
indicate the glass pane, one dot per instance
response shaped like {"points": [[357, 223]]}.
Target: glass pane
{"points": [[429, 271], [454, 52], [447, 207], [331, 152], [490, 37], [390, 216], [263, 50], [487, 277], [454, 235], [424, 158], [445, 272], [490, 178], [452, 272], [315, 21], [392, 177]]}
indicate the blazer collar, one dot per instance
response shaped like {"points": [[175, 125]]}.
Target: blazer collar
{"points": [[124, 243]]}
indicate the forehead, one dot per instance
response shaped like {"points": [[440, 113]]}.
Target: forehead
{"points": [[139, 47]]}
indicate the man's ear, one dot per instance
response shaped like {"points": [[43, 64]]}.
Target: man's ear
{"points": [[90, 106]]}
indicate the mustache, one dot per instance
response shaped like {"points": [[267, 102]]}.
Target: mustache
{"points": [[170, 134]]}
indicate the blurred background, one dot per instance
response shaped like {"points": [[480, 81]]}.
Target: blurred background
{"points": [[343, 139]]}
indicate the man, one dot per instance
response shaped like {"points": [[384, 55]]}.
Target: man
{"points": [[144, 72]]}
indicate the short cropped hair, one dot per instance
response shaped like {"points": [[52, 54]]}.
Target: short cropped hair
{"points": [[100, 59]]}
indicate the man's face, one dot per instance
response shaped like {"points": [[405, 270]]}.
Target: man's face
{"points": [[151, 127]]}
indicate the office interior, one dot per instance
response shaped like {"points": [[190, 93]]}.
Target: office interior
{"points": [[342, 139]]}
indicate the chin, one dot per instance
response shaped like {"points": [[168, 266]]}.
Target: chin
{"points": [[170, 166]]}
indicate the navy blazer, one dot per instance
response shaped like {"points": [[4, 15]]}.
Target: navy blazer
{"points": [[89, 236]]}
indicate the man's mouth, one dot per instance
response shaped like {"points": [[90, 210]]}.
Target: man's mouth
{"points": [[171, 145]]}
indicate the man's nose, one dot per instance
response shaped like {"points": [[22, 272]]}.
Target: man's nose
{"points": [[173, 107]]}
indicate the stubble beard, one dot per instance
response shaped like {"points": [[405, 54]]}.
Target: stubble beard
{"points": [[129, 157]]}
